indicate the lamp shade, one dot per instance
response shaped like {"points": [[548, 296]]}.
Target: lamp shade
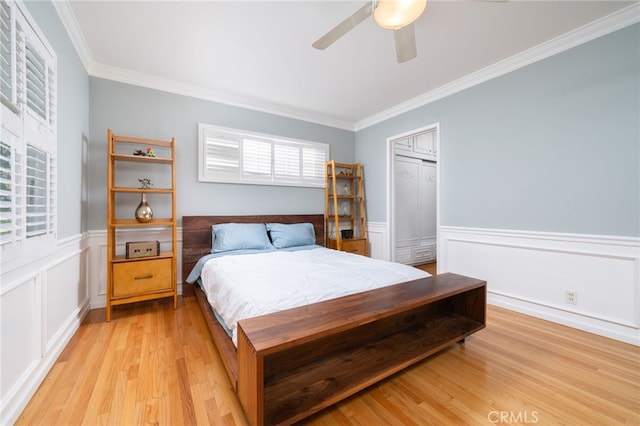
{"points": [[395, 14]]}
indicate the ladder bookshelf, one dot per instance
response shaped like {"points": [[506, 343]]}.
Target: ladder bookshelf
{"points": [[345, 221], [150, 274]]}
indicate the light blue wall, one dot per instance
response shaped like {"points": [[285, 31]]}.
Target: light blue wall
{"points": [[551, 147], [137, 111], [554, 146], [73, 121]]}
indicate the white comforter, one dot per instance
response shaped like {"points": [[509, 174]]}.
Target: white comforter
{"points": [[246, 286]]}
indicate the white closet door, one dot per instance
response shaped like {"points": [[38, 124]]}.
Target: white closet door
{"points": [[407, 201], [428, 208]]}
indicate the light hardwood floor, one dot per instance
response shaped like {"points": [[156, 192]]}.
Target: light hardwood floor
{"points": [[154, 365], [429, 267]]}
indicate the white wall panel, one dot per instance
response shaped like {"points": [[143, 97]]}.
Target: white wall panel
{"points": [[378, 245], [531, 272], [19, 317], [41, 306], [65, 289]]}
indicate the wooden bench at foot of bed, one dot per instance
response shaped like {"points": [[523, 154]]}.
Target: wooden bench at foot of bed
{"points": [[294, 363]]}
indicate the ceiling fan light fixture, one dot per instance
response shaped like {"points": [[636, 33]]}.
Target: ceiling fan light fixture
{"points": [[395, 14]]}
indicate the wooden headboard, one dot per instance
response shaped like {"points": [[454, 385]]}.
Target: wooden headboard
{"points": [[196, 233]]}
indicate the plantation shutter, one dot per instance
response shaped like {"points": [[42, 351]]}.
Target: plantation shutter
{"points": [[28, 136], [222, 155], [36, 80], [313, 163], [6, 194], [7, 55], [12, 209], [237, 156], [256, 159], [52, 95], [286, 161], [37, 198]]}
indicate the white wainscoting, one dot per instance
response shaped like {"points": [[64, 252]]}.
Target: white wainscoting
{"points": [[97, 241], [378, 236], [530, 272], [42, 304]]}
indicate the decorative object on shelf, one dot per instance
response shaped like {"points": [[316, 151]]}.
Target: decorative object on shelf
{"points": [[144, 213], [142, 249], [145, 183], [345, 189], [346, 234], [147, 153]]}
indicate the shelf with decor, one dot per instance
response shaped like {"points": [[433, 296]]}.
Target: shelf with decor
{"points": [[145, 272], [344, 208]]}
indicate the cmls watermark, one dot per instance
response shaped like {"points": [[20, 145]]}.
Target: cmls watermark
{"points": [[522, 417]]}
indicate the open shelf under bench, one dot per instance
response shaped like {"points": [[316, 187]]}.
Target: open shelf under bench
{"points": [[296, 362]]}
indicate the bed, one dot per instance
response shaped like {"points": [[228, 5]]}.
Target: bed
{"points": [[290, 361]]}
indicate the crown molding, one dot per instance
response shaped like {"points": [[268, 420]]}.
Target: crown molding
{"points": [[598, 28], [95, 69], [70, 23], [206, 93], [605, 25]]}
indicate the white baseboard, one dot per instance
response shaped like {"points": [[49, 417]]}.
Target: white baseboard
{"points": [[44, 301], [21, 393], [570, 319], [530, 272]]}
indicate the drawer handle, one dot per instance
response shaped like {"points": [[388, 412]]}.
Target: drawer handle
{"points": [[143, 277]]}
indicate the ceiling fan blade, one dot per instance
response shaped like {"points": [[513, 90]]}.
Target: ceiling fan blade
{"points": [[344, 27], [405, 43]]}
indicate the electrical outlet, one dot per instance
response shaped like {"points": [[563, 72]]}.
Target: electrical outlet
{"points": [[571, 297]]}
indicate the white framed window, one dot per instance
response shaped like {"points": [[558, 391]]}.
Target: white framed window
{"points": [[28, 136], [238, 156]]}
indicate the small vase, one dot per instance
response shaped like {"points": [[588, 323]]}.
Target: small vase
{"points": [[144, 214]]}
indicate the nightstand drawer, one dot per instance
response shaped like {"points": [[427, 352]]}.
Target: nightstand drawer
{"points": [[143, 276], [358, 246]]}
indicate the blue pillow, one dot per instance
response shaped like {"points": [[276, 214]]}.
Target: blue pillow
{"points": [[291, 235], [239, 236]]}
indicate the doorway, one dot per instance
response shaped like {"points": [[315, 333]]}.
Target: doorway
{"points": [[413, 194]]}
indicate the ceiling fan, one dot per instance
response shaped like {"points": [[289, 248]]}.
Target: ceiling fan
{"points": [[397, 15]]}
